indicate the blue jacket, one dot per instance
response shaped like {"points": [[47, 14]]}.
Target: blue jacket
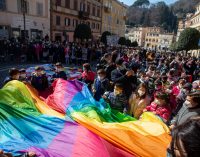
{"points": [[101, 86], [39, 82], [60, 74]]}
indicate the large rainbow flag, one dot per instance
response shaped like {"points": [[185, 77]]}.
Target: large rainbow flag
{"points": [[71, 123]]}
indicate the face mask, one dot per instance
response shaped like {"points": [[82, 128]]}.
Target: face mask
{"points": [[141, 93], [116, 92], [121, 68], [158, 87], [188, 103], [39, 73], [180, 86], [157, 102], [185, 91], [23, 76], [59, 69], [100, 77]]}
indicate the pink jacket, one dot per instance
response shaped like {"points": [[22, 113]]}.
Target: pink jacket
{"points": [[162, 111]]}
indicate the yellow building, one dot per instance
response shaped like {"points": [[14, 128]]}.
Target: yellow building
{"points": [[114, 17], [152, 37]]}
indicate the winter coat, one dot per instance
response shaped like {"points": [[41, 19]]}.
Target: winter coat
{"points": [[101, 86], [184, 114], [162, 111]]}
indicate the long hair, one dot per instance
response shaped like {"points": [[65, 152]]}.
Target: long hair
{"points": [[186, 138], [142, 85]]}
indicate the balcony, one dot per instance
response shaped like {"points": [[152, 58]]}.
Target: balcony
{"points": [[83, 15], [107, 9]]}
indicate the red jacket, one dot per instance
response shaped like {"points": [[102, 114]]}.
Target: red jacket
{"points": [[162, 111], [88, 76]]}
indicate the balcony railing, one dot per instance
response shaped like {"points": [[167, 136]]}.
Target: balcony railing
{"points": [[107, 9], [83, 15], [125, 17]]}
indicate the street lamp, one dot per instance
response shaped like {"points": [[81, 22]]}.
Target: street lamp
{"points": [[24, 16]]}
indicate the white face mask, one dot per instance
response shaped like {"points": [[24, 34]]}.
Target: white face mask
{"points": [[157, 102], [59, 69], [23, 75], [185, 91], [121, 68], [100, 78], [116, 92], [188, 103], [180, 86], [141, 93], [39, 73]]}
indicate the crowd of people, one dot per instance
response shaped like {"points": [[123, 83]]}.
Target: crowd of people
{"points": [[137, 81], [46, 51]]}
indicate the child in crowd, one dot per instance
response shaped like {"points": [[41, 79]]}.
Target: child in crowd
{"points": [[139, 101], [176, 89], [101, 84], [158, 85], [23, 76], [28, 154], [39, 79], [151, 71], [67, 51], [117, 99], [175, 92], [160, 106], [88, 75], [14, 74], [59, 73]]}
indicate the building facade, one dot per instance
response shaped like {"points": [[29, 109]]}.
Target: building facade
{"points": [[183, 24], [165, 41], [137, 34], [114, 17], [195, 20], [67, 14], [37, 18], [152, 37]]}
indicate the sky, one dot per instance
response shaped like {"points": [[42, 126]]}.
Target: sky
{"points": [[130, 2]]}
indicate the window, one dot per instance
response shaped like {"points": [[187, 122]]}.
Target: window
{"points": [[75, 5], [82, 6], [58, 2], [67, 22], [2, 4], [93, 10], [75, 22], [97, 26], [22, 6], [98, 12], [88, 23], [88, 8], [93, 25], [117, 21], [67, 4], [58, 20], [39, 8]]}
